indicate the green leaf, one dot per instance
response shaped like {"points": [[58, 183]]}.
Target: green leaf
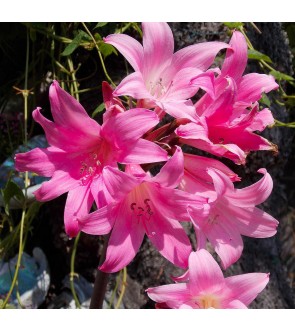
{"points": [[98, 109], [100, 24], [233, 25], [11, 190], [281, 76], [265, 100], [253, 54], [107, 49], [81, 36]]}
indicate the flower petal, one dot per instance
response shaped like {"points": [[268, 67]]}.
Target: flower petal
{"points": [[262, 119], [168, 236], [142, 152], [251, 87], [128, 126], [178, 109], [254, 222], [175, 292], [197, 165], [234, 304], [236, 57], [124, 242], [67, 112], [225, 238], [129, 47], [98, 222], [187, 82], [199, 56], [158, 47], [204, 273], [64, 138], [79, 202], [41, 161], [118, 183], [246, 287], [60, 183], [255, 194], [134, 86], [172, 172]]}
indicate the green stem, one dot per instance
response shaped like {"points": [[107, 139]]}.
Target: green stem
{"points": [[20, 248], [99, 54], [123, 288], [72, 274]]}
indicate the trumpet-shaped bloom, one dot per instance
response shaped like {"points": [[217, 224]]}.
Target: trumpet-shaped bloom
{"points": [[144, 205], [79, 150], [162, 78], [219, 132], [231, 213], [206, 287]]}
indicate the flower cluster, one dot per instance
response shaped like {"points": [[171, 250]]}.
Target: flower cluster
{"points": [[109, 164]]}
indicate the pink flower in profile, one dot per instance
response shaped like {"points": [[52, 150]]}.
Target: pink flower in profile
{"points": [[218, 131], [207, 288], [162, 78], [79, 150], [144, 205], [231, 213]]}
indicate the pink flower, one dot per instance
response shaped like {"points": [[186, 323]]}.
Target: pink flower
{"points": [[231, 213], [218, 131], [143, 205], [208, 289], [79, 150], [222, 124], [162, 78]]}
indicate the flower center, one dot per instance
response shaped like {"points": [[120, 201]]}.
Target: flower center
{"points": [[208, 301], [90, 167], [157, 88], [142, 213]]}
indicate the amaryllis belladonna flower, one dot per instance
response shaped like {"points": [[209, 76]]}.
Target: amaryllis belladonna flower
{"points": [[79, 150], [206, 287]]}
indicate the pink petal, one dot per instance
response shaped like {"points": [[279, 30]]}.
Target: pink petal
{"points": [[174, 203], [98, 222], [220, 111], [236, 57], [184, 277], [246, 287], [175, 292], [60, 183], [178, 109], [134, 86], [66, 138], [124, 242], [142, 152], [118, 183], [129, 47], [204, 273], [197, 165], [252, 86], [225, 238], [67, 112], [40, 161], [221, 182], [255, 194], [170, 239], [193, 131], [254, 222], [158, 47], [234, 304], [199, 56], [187, 82], [128, 126], [262, 119], [172, 172], [79, 202]]}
